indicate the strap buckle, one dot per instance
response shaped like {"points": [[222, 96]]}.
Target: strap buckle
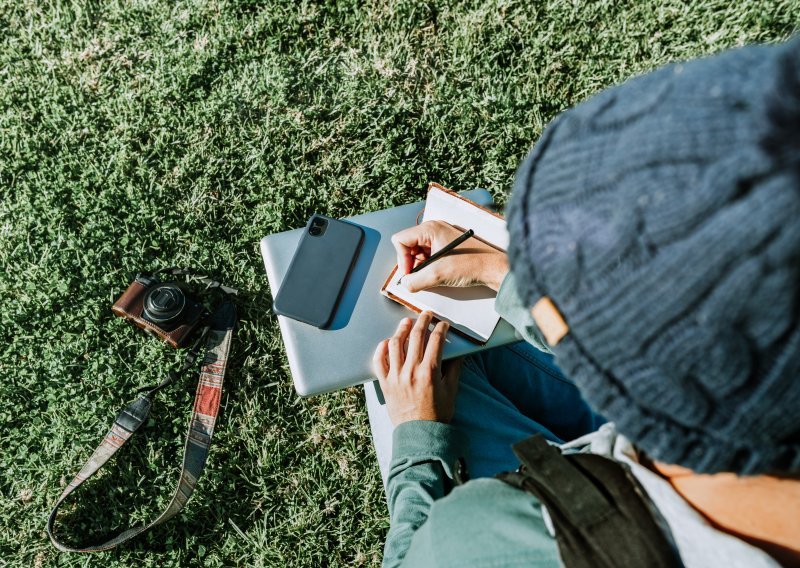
{"points": [[135, 414]]}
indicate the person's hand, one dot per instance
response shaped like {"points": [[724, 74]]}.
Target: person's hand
{"points": [[472, 263], [409, 369]]}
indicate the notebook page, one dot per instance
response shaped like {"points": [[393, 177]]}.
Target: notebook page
{"points": [[443, 206], [470, 310]]}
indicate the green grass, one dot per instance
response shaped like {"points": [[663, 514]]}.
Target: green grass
{"points": [[139, 134]]}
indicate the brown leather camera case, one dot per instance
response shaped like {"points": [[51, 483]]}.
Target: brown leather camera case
{"points": [[130, 306]]}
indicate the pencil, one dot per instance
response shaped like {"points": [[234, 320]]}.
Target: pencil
{"points": [[440, 253]]}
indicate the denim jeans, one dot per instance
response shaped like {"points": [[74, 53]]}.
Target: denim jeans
{"points": [[510, 393], [505, 395]]}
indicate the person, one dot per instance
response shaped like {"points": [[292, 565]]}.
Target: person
{"points": [[653, 272]]}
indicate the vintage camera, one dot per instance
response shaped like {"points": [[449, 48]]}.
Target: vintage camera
{"points": [[166, 310]]}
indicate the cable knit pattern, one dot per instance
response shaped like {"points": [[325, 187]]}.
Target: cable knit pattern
{"points": [[662, 217]]}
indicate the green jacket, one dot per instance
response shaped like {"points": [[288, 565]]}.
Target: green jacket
{"points": [[461, 529]]}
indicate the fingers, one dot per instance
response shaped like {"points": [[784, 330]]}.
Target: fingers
{"points": [[380, 360], [435, 347], [397, 344], [428, 277], [416, 339], [408, 243]]}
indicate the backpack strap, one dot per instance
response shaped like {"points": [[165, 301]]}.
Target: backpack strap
{"points": [[602, 517], [201, 428]]}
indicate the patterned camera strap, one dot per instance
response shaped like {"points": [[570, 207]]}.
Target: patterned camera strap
{"points": [[198, 440]]}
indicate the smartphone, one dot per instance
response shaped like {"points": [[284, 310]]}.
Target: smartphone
{"points": [[318, 272]]}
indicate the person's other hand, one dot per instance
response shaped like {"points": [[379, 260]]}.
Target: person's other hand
{"points": [[409, 369], [472, 263]]}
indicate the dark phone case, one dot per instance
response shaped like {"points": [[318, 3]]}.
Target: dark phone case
{"points": [[318, 272]]}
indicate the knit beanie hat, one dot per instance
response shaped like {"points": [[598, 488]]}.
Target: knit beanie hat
{"points": [[662, 219]]}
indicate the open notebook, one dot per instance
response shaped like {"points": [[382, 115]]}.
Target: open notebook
{"points": [[469, 310]]}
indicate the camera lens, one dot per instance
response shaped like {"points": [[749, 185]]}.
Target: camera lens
{"points": [[163, 303], [315, 231], [318, 222]]}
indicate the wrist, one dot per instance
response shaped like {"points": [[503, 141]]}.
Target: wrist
{"points": [[496, 271]]}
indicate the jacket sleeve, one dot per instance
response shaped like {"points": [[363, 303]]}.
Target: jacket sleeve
{"points": [[510, 307], [423, 453]]}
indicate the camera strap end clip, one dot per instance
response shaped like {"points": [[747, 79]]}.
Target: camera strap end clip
{"points": [[134, 415]]}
